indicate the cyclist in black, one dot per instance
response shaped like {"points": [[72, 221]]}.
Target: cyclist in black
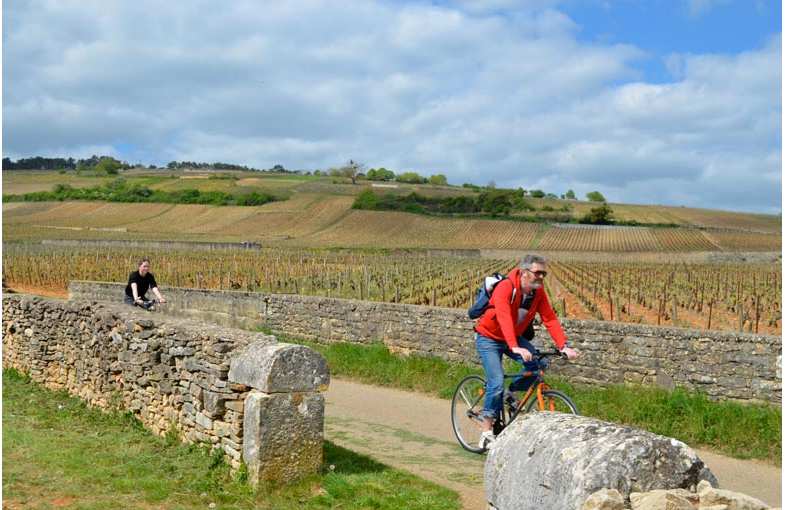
{"points": [[138, 283]]}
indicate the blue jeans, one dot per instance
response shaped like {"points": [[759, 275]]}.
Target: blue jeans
{"points": [[491, 352]]}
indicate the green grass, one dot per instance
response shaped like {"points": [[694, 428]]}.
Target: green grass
{"points": [[56, 450], [737, 430]]}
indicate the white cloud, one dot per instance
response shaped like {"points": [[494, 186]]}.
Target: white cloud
{"points": [[478, 91], [700, 7]]}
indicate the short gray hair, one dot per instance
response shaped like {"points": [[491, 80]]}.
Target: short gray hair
{"points": [[528, 260]]}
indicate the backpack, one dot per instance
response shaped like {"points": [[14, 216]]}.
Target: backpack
{"points": [[483, 296]]}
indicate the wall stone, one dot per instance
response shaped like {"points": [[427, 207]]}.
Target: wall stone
{"points": [[556, 460], [724, 365], [704, 497], [175, 374]]}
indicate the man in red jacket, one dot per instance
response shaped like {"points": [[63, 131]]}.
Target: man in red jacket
{"points": [[506, 328]]}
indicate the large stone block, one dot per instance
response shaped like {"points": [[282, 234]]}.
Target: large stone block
{"points": [[282, 435], [554, 460], [279, 368]]}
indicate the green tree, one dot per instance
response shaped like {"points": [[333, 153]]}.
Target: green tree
{"points": [[380, 174], [496, 202], [438, 180], [570, 194], [537, 193], [595, 196], [108, 166], [520, 204], [411, 178], [601, 215]]}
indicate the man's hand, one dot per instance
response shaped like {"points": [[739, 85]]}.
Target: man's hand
{"points": [[162, 299], [570, 352], [525, 354]]}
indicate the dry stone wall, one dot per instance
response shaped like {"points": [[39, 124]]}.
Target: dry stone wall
{"points": [[152, 245], [256, 399], [724, 365]]}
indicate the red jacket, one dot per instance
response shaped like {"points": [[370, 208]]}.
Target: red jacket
{"points": [[498, 321]]}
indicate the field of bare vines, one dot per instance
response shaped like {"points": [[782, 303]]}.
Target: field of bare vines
{"points": [[704, 296]]}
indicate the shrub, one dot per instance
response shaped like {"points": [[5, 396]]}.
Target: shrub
{"points": [[255, 199], [496, 202], [380, 174], [601, 215], [367, 200], [108, 166], [595, 196], [438, 180], [411, 178]]}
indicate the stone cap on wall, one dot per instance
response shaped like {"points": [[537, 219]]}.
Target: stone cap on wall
{"points": [[279, 368]]}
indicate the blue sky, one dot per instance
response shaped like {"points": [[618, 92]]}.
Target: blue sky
{"points": [[668, 102], [662, 27]]}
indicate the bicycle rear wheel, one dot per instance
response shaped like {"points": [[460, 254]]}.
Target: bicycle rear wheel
{"points": [[467, 403], [554, 400]]}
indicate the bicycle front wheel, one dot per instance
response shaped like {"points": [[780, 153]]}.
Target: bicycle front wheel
{"points": [[553, 400], [467, 403]]}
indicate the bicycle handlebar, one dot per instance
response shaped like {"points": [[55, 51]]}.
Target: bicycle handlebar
{"points": [[550, 354]]}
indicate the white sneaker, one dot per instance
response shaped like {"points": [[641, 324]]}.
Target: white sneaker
{"points": [[486, 438]]}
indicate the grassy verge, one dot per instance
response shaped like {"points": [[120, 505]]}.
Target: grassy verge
{"points": [[57, 452], [738, 430]]}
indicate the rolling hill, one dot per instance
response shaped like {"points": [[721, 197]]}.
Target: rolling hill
{"points": [[318, 213]]}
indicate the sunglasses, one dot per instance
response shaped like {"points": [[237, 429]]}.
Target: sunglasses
{"points": [[538, 274]]}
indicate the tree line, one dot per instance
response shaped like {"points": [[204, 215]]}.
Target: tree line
{"points": [[352, 170], [120, 190], [111, 165], [496, 203], [105, 164]]}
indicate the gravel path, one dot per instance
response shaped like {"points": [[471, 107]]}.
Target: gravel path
{"points": [[412, 431]]}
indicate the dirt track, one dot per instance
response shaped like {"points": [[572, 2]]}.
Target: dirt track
{"points": [[411, 431]]}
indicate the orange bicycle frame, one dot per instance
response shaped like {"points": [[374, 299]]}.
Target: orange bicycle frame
{"points": [[538, 388]]}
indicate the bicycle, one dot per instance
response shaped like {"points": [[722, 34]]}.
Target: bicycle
{"points": [[467, 403]]}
